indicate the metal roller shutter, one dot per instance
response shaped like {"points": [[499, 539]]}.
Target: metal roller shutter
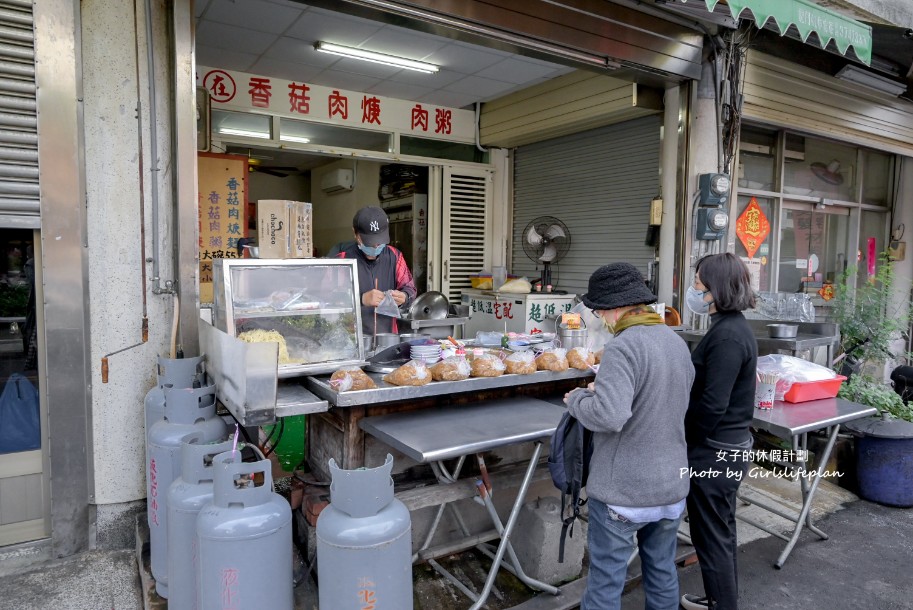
{"points": [[788, 95], [599, 183], [19, 197]]}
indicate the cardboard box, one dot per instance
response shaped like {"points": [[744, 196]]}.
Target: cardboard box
{"points": [[284, 229], [301, 243], [273, 228]]}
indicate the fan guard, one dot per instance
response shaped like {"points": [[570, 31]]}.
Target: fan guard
{"points": [[546, 241]]}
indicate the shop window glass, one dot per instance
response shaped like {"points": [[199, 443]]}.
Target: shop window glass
{"points": [[757, 154], [813, 249], [19, 411], [872, 244], [877, 179], [229, 125], [439, 149], [818, 168], [304, 132], [749, 230]]}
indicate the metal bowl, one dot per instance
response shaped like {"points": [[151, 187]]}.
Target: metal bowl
{"points": [[782, 331]]}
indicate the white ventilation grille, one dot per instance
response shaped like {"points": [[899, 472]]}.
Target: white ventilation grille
{"points": [[467, 204], [19, 197]]}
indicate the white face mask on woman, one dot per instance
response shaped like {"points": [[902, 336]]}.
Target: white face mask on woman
{"points": [[694, 299]]}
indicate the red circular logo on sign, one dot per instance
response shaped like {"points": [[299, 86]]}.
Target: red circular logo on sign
{"points": [[220, 84]]}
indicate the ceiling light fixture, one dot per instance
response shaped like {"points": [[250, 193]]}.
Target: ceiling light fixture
{"points": [[296, 139], [244, 133], [871, 80], [378, 58]]}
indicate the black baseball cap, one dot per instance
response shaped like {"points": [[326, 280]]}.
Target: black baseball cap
{"points": [[372, 226]]}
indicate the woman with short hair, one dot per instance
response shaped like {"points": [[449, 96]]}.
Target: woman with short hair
{"points": [[717, 423]]}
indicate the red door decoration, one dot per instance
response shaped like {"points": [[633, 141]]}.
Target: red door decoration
{"points": [[752, 227]]}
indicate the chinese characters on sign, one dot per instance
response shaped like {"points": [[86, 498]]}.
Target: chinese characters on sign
{"points": [[752, 227], [222, 212], [239, 91]]}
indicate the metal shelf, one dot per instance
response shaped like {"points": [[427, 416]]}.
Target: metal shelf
{"points": [[240, 313]]}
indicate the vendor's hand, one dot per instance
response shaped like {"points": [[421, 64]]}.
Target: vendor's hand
{"points": [[372, 298], [398, 297]]}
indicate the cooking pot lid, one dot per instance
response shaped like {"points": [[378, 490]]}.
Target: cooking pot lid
{"points": [[429, 306]]}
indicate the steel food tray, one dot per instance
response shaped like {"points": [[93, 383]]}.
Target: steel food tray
{"points": [[385, 392]]}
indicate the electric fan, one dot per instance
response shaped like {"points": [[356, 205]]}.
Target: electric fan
{"points": [[545, 241]]}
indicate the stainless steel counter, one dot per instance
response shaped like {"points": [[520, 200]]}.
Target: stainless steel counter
{"points": [[320, 385], [810, 336], [786, 419]]}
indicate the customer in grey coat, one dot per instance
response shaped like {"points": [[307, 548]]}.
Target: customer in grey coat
{"points": [[638, 477]]}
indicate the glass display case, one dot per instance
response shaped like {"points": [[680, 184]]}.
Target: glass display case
{"points": [[307, 306]]}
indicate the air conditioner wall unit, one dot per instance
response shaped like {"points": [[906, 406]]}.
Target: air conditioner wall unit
{"points": [[337, 181]]}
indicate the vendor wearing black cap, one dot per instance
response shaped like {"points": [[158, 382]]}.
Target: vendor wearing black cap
{"points": [[638, 472], [381, 267]]}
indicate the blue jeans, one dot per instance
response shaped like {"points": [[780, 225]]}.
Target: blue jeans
{"points": [[611, 542]]}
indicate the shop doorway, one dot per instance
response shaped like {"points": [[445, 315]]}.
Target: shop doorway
{"points": [[815, 246], [24, 506]]}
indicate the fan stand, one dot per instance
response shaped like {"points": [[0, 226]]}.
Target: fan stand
{"points": [[546, 274]]}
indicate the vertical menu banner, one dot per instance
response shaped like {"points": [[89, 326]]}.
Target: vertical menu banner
{"points": [[222, 211]]}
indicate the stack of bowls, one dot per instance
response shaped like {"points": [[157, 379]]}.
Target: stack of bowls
{"points": [[427, 353]]}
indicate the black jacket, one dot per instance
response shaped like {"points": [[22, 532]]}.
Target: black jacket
{"points": [[722, 396]]}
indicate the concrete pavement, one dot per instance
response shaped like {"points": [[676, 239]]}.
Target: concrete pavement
{"points": [[865, 564]]}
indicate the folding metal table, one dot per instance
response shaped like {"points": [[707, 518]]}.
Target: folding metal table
{"points": [[794, 421], [434, 435]]}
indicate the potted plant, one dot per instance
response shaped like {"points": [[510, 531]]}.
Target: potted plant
{"points": [[871, 324]]}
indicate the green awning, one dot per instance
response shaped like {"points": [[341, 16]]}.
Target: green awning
{"points": [[808, 17]]}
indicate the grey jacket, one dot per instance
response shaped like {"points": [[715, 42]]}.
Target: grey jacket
{"points": [[637, 413]]}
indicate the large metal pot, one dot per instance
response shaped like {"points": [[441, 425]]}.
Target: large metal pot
{"points": [[782, 331], [570, 338], [385, 340]]}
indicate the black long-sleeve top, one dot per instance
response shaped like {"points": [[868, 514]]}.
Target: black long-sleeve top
{"points": [[722, 396]]}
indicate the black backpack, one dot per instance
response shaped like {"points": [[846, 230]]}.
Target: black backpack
{"points": [[569, 465]]}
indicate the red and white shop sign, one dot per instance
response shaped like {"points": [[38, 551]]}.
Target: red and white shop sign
{"points": [[244, 92]]}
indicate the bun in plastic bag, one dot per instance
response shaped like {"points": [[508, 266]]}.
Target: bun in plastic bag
{"points": [[412, 373], [351, 378], [521, 363], [552, 360], [487, 366], [580, 358], [454, 368]]}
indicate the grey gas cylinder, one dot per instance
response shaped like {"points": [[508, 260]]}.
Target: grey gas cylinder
{"points": [[187, 411], [189, 493], [244, 540], [364, 542], [178, 373]]}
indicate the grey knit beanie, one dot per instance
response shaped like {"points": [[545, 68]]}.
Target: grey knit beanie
{"points": [[617, 285]]}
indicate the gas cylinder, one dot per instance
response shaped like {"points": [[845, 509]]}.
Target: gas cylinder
{"points": [[186, 496], [187, 410], [364, 542], [178, 373], [244, 540]]}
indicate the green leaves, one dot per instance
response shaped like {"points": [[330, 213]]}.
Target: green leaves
{"points": [[869, 321], [866, 390]]}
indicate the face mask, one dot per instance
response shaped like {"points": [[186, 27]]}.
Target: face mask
{"points": [[369, 251], [694, 299], [607, 326]]}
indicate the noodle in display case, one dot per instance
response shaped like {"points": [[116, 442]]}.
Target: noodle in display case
{"points": [[307, 306]]}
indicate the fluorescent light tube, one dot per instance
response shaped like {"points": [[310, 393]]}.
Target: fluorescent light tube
{"points": [[871, 80], [297, 139], [246, 133], [378, 58]]}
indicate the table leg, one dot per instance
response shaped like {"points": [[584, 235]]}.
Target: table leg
{"points": [[807, 497], [505, 535]]}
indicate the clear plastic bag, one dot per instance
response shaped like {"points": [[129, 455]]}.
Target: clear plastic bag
{"points": [[790, 370], [388, 306], [596, 334]]}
